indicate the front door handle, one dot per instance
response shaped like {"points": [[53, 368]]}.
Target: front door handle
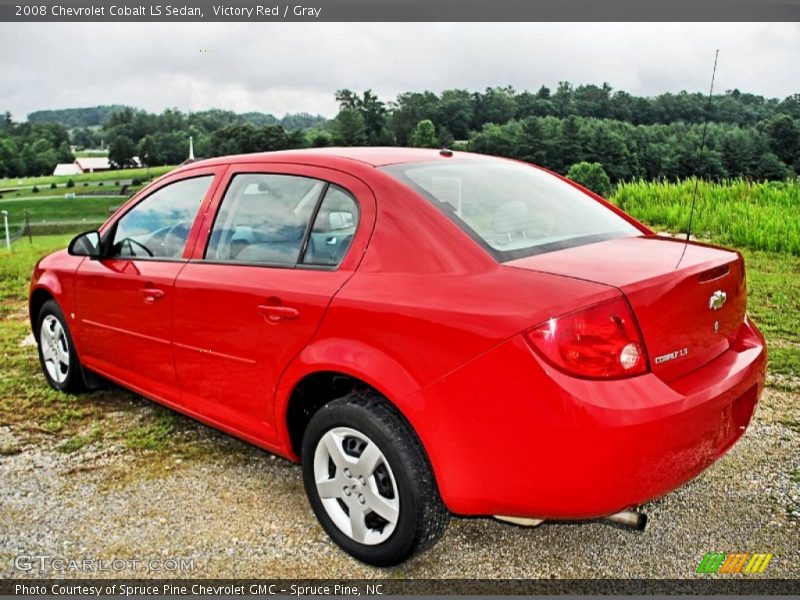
{"points": [[151, 294], [274, 314]]}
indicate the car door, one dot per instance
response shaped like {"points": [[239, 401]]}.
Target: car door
{"points": [[124, 300], [281, 243]]}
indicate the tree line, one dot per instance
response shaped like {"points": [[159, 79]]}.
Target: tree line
{"points": [[748, 136], [31, 148]]}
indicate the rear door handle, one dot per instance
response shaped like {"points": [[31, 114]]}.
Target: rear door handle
{"points": [[274, 314], [151, 294]]}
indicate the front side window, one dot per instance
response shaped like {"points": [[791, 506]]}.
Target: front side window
{"points": [[158, 226], [512, 209], [263, 219]]}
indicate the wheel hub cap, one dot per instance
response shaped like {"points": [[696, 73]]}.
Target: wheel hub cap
{"points": [[356, 485]]}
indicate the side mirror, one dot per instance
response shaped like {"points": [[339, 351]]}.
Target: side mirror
{"points": [[86, 244]]}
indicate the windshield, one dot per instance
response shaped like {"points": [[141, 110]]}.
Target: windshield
{"points": [[513, 209]]}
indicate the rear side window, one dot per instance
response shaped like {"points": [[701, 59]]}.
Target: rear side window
{"points": [[267, 219], [334, 227], [512, 209]]}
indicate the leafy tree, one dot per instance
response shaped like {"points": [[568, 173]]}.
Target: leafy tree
{"points": [[784, 138], [318, 139], [771, 167], [456, 113], [532, 142], [591, 176], [499, 140], [373, 113], [408, 110], [570, 140], [446, 139], [121, 151], [606, 145], [496, 105], [351, 130], [592, 101], [424, 135], [563, 99]]}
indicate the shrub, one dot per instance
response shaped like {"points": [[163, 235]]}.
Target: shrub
{"points": [[591, 176], [35, 190], [53, 185], [70, 183], [136, 181]]}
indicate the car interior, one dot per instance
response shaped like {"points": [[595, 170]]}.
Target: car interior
{"points": [[263, 219]]}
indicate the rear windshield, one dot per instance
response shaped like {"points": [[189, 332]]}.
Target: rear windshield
{"points": [[512, 209]]}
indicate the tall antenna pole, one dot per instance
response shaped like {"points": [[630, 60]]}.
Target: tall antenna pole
{"points": [[702, 156]]}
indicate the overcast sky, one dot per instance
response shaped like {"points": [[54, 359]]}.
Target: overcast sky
{"points": [[291, 67]]}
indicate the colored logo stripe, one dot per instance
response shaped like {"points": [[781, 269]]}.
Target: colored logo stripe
{"points": [[738, 562]]}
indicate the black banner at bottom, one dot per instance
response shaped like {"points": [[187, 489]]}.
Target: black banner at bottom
{"points": [[735, 585]]}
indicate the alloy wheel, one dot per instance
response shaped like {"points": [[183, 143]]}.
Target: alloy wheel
{"points": [[55, 349]]}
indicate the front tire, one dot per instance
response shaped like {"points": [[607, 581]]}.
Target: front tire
{"points": [[369, 482], [57, 354]]}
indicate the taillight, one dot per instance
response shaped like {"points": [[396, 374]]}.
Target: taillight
{"points": [[601, 341]]}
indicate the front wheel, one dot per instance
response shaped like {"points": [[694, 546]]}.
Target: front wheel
{"points": [[369, 482], [57, 354]]}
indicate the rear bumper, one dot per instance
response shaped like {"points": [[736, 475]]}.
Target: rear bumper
{"points": [[510, 435]]}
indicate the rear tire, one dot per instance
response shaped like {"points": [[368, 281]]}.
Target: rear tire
{"points": [[57, 354], [369, 481]]}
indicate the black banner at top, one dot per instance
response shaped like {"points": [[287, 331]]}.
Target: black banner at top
{"points": [[398, 10]]}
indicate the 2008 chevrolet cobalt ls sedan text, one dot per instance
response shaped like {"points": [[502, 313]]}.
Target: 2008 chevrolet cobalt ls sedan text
{"points": [[428, 332]]}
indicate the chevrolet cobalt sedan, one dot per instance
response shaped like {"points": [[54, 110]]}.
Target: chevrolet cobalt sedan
{"points": [[428, 332]]}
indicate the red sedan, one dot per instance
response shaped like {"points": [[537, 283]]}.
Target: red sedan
{"points": [[428, 332]]}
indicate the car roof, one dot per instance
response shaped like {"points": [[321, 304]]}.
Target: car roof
{"points": [[372, 156]]}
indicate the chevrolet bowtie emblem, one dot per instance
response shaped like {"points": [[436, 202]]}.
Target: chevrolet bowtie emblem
{"points": [[717, 300]]}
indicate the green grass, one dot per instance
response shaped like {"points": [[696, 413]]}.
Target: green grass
{"points": [[59, 210], [29, 182], [761, 216], [91, 153], [153, 435], [16, 267], [77, 442]]}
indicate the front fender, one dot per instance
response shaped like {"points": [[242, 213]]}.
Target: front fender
{"points": [[349, 357], [53, 276], [48, 283]]}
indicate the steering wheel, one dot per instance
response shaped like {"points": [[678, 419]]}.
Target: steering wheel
{"points": [[131, 242]]}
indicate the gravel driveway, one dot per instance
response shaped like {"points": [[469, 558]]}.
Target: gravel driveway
{"points": [[239, 512]]}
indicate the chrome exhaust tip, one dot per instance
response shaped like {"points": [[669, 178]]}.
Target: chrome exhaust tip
{"points": [[629, 518], [521, 521]]}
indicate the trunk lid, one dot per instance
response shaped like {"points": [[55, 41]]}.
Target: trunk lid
{"points": [[688, 315]]}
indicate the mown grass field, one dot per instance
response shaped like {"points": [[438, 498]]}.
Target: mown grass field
{"points": [[92, 210], [762, 216], [49, 209], [29, 182]]}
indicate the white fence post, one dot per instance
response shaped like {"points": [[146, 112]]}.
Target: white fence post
{"points": [[8, 235]]}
